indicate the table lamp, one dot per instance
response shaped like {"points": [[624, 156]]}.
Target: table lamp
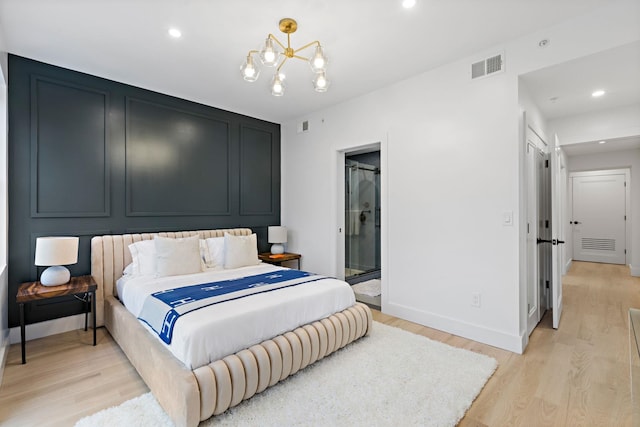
{"points": [[56, 252], [277, 236]]}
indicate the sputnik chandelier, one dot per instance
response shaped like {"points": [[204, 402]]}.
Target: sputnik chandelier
{"points": [[271, 56]]}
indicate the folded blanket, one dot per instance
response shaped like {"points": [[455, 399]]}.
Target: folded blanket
{"points": [[162, 309]]}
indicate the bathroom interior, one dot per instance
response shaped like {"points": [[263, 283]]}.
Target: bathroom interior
{"points": [[362, 226]]}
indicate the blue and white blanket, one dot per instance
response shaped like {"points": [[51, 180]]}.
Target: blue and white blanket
{"points": [[162, 309]]}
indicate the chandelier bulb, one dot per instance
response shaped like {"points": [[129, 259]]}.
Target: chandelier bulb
{"points": [[249, 70], [268, 54], [320, 83], [277, 88], [318, 61]]}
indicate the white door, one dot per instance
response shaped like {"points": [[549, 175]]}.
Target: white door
{"points": [[599, 221], [556, 233], [532, 171]]}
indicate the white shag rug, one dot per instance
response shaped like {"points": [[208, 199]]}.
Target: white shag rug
{"points": [[371, 288], [390, 378]]}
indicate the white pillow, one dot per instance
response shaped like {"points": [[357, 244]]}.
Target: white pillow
{"points": [[143, 257], [240, 251], [128, 270], [215, 251], [175, 257]]}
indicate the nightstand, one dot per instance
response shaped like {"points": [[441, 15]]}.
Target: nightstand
{"points": [[35, 291], [278, 259]]}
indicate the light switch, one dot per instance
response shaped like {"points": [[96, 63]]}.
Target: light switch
{"points": [[507, 218]]}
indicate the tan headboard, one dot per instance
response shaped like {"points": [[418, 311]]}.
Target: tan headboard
{"points": [[110, 255]]}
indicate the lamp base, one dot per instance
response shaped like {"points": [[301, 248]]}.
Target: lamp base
{"points": [[55, 275], [277, 248]]}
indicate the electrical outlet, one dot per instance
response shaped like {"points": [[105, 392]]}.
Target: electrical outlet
{"points": [[475, 299]]}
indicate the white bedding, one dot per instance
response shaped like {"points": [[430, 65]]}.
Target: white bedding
{"points": [[206, 335]]}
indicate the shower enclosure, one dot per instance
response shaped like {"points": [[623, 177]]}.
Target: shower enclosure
{"points": [[362, 217]]}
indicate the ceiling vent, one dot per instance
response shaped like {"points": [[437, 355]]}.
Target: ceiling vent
{"points": [[488, 66]]}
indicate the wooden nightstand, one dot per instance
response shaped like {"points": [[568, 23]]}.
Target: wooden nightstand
{"points": [[34, 291], [279, 259]]}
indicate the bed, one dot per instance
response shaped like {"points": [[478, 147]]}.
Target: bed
{"points": [[190, 391]]}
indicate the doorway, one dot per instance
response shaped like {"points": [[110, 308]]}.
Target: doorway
{"points": [[599, 215], [362, 225], [538, 222], [543, 173]]}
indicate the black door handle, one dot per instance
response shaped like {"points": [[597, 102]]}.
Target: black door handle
{"points": [[543, 241], [560, 242]]}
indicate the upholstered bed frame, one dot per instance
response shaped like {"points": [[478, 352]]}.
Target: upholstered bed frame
{"points": [[189, 396]]}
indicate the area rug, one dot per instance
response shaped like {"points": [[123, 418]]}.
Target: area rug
{"points": [[390, 378], [371, 288]]}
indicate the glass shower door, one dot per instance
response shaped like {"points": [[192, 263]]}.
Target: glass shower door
{"points": [[362, 228]]}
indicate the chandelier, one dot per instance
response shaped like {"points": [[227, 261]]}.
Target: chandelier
{"points": [[271, 56]]}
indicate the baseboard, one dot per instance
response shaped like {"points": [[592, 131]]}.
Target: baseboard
{"points": [[49, 327], [567, 266], [4, 351], [635, 270], [513, 343]]}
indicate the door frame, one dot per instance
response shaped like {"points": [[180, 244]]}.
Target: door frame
{"points": [[627, 203], [532, 183], [341, 153]]}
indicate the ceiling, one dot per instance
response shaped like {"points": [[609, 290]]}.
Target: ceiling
{"points": [[565, 89], [617, 71], [594, 147], [370, 43]]}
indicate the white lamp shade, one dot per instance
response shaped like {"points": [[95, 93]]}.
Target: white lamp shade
{"points": [[277, 234], [56, 251]]}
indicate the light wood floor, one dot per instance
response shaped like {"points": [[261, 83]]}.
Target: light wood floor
{"points": [[577, 375]]}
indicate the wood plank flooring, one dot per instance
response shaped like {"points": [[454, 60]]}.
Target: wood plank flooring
{"points": [[577, 375]]}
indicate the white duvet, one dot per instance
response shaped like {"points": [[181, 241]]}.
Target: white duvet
{"points": [[206, 335]]}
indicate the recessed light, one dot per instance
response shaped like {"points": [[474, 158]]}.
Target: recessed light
{"points": [[408, 4], [598, 93], [175, 33], [602, 142], [543, 43]]}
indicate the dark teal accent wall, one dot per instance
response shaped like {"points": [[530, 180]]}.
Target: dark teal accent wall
{"points": [[90, 156]]}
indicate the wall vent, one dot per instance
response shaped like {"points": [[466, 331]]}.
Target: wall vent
{"points": [[488, 66], [303, 126], [599, 244]]}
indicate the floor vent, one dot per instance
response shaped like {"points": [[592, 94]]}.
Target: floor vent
{"points": [[488, 66], [598, 244]]}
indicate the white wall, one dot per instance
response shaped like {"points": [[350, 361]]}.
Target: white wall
{"points": [[601, 125], [453, 167], [619, 160], [535, 118], [4, 303]]}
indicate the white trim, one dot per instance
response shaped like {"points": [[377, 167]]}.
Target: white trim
{"points": [[627, 208], [47, 328], [567, 266], [635, 270], [513, 343]]}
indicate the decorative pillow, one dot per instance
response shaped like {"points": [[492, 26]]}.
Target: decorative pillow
{"points": [[240, 251], [204, 254], [175, 257], [143, 257], [215, 250]]}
